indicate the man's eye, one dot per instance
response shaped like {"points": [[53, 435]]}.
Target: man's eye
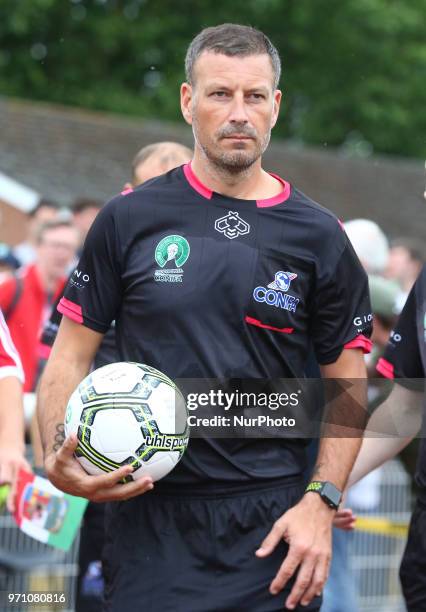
{"points": [[219, 94], [257, 96]]}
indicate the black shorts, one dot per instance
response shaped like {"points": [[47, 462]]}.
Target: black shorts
{"points": [[170, 553], [90, 582], [413, 566]]}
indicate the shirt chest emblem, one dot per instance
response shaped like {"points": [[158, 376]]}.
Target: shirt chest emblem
{"points": [[171, 254]]}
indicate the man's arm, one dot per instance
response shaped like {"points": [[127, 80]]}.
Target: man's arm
{"points": [[307, 527], [69, 362], [390, 429], [12, 447]]}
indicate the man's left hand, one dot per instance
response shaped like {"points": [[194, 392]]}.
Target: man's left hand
{"points": [[307, 529]]}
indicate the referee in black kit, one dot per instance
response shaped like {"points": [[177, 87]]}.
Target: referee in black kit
{"points": [[260, 273]]}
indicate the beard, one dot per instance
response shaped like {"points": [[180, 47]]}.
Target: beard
{"points": [[237, 160]]}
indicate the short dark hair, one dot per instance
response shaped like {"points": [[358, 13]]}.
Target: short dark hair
{"points": [[413, 246], [82, 204], [51, 225], [231, 39], [44, 203]]}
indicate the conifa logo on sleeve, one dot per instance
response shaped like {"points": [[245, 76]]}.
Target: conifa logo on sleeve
{"points": [[79, 279], [276, 292], [171, 253]]}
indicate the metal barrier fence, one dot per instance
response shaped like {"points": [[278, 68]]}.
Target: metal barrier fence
{"points": [[375, 557], [28, 566]]}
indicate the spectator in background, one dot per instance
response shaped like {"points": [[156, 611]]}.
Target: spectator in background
{"points": [[370, 244], [384, 295], [34, 290], [156, 159], [372, 247], [8, 262], [45, 211], [406, 259], [84, 211], [12, 446]]}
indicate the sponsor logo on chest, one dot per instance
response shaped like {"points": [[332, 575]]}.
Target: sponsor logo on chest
{"points": [[275, 294]]}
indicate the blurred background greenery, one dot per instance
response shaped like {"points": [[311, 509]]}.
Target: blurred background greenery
{"points": [[354, 71]]}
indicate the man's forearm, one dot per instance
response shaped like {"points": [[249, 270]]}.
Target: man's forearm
{"points": [[336, 457], [59, 380], [11, 414], [391, 428], [344, 418]]}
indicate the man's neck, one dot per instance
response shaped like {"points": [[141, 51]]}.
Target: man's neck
{"points": [[251, 184]]}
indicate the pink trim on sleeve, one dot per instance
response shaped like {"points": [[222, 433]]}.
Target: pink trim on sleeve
{"points": [[126, 191], [385, 368], [361, 342], [70, 310]]}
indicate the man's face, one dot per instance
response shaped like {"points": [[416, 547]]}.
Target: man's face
{"points": [[57, 249], [232, 107], [83, 220], [155, 164], [172, 251], [43, 215]]}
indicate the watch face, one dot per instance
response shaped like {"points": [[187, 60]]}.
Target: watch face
{"points": [[332, 493]]}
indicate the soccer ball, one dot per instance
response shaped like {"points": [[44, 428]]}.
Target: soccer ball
{"points": [[128, 413]]}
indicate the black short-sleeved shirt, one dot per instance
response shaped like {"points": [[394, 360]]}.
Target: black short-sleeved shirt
{"points": [[405, 356], [206, 286]]}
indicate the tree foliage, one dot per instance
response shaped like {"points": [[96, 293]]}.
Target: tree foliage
{"points": [[353, 70]]}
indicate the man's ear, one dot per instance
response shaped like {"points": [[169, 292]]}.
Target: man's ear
{"points": [[277, 103], [186, 102]]}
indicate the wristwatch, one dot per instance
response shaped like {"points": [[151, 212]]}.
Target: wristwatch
{"points": [[327, 491]]}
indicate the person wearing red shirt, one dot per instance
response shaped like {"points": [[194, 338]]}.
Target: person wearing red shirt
{"points": [[37, 287], [12, 446]]}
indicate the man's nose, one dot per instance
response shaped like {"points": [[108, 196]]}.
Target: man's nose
{"points": [[238, 110]]}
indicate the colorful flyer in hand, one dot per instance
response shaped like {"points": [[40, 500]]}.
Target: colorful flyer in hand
{"points": [[45, 513]]}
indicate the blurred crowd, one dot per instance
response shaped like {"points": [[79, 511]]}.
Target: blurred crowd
{"points": [[33, 273]]}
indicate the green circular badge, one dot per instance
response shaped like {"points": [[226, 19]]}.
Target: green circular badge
{"points": [[172, 250]]}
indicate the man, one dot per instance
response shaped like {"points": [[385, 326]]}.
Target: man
{"points": [[28, 297], [406, 259], [191, 543], [149, 162], [394, 425], [44, 212], [370, 244], [156, 159], [84, 212], [12, 447]]}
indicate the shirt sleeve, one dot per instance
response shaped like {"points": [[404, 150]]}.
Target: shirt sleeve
{"points": [[402, 358], [93, 294], [342, 315], [10, 362]]}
